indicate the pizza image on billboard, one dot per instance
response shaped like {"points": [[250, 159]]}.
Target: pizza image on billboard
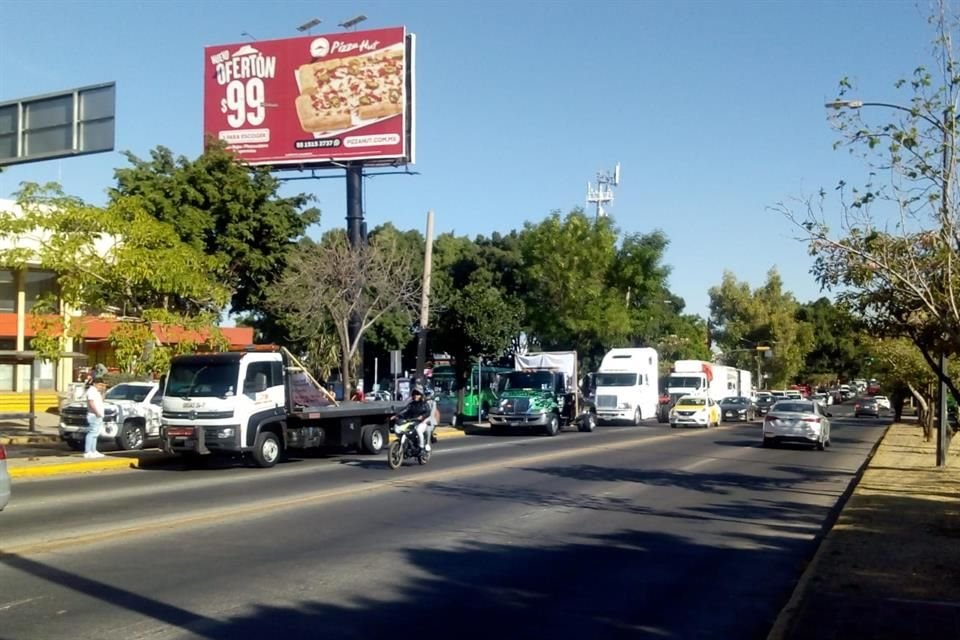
{"points": [[339, 94], [313, 101]]}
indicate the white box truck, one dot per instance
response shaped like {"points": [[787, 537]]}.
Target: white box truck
{"points": [[627, 385]]}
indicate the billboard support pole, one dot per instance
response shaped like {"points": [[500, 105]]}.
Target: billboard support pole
{"points": [[357, 239]]}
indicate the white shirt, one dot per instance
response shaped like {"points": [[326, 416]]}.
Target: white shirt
{"points": [[94, 401]]}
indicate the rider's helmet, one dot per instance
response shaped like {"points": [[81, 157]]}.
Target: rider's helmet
{"points": [[417, 391]]}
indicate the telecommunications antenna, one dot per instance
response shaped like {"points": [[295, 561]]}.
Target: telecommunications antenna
{"points": [[604, 190]]}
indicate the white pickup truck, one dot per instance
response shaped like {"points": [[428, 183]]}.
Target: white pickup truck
{"points": [[131, 417]]}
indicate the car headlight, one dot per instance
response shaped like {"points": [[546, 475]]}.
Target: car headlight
{"points": [[225, 433], [742, 411], [504, 403]]}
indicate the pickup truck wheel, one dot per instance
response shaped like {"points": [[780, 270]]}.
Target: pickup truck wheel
{"points": [[132, 437], [553, 427], [373, 439], [266, 452]]}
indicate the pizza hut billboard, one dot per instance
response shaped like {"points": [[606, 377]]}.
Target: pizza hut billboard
{"points": [[313, 101]]}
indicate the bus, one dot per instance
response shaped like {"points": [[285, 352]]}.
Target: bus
{"points": [[479, 395]]}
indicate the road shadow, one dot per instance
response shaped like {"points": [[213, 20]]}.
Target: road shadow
{"points": [[618, 585]]}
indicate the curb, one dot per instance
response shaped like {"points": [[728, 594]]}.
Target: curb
{"points": [[80, 466], [39, 438]]}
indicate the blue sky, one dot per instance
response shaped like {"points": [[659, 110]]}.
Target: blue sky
{"points": [[714, 109]]}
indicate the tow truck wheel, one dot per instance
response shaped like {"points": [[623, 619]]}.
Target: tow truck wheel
{"points": [[373, 440], [267, 450]]}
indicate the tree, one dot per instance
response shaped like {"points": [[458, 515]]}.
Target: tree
{"points": [[744, 319], [221, 206], [900, 361], [473, 318], [840, 345], [332, 282], [895, 254], [116, 259]]}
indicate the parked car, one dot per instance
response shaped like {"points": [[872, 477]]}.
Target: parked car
{"points": [[798, 421], [866, 407], [735, 408], [4, 479], [763, 402], [883, 402], [131, 417]]}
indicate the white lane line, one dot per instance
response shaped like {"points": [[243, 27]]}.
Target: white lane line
{"points": [[16, 603]]}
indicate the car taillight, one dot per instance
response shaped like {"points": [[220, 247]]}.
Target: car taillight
{"points": [[770, 418], [856, 406], [815, 420], [3, 453]]}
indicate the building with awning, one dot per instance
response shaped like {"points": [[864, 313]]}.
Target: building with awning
{"points": [[24, 376]]}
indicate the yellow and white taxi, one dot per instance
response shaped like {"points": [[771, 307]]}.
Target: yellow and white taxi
{"points": [[697, 411]]}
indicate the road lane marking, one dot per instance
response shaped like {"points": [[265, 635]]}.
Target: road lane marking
{"points": [[261, 508], [16, 603]]}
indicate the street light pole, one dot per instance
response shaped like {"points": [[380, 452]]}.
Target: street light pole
{"points": [[945, 127]]}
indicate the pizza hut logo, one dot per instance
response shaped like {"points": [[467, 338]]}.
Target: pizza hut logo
{"points": [[319, 48]]}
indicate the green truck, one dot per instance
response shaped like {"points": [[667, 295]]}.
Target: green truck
{"points": [[542, 394]]}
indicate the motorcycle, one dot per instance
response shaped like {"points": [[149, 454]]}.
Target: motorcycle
{"points": [[407, 444]]}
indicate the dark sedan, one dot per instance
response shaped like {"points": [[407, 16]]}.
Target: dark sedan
{"points": [[764, 402], [866, 407], [737, 408]]}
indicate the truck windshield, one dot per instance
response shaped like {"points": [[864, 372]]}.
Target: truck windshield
{"points": [[685, 382], [135, 392], [203, 380], [541, 380], [616, 379]]}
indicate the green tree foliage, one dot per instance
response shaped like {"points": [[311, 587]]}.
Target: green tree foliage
{"points": [[107, 261], [474, 317], [569, 301], [220, 206], [840, 344], [743, 319], [900, 361]]}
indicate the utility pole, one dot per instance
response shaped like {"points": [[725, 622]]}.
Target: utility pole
{"points": [[425, 303]]}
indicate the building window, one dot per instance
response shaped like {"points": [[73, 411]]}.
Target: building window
{"points": [[8, 291], [40, 284]]}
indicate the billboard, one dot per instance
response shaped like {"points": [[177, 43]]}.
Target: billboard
{"points": [[58, 125], [313, 101]]}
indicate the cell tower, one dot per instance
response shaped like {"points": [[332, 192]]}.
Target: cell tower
{"points": [[604, 192]]}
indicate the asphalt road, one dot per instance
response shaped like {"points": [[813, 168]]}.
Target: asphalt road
{"points": [[625, 532]]}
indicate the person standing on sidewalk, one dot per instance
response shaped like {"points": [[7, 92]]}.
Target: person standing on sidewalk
{"points": [[94, 397]]}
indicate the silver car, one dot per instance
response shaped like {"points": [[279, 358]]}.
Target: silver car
{"points": [[4, 479], [798, 421]]}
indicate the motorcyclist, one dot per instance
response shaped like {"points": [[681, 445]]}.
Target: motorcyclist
{"points": [[417, 409]]}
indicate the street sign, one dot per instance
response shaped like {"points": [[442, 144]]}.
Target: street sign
{"points": [[395, 366]]}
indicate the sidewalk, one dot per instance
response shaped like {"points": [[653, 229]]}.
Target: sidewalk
{"points": [[890, 566], [17, 431]]}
